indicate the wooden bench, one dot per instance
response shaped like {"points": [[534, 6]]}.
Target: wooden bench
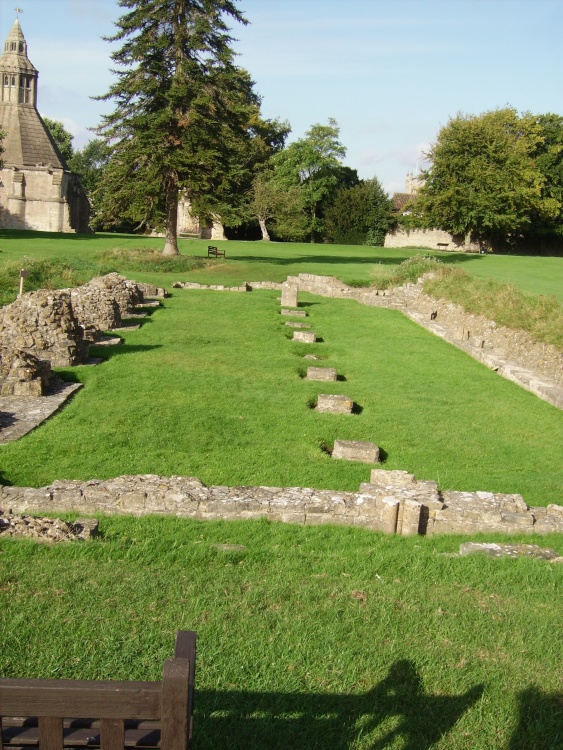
{"points": [[215, 252], [112, 715]]}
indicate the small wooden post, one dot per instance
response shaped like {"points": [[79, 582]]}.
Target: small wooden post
{"points": [[23, 274]]}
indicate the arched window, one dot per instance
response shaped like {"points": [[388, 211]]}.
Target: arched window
{"points": [[21, 48]]}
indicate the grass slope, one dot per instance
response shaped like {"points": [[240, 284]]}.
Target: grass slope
{"points": [[310, 638], [211, 386]]}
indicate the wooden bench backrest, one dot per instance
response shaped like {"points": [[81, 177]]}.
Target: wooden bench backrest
{"points": [[100, 713]]}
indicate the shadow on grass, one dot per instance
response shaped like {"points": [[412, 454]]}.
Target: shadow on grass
{"points": [[339, 260], [396, 707], [107, 352], [540, 723]]}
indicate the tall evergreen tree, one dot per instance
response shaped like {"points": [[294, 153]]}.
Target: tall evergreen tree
{"points": [[183, 115]]}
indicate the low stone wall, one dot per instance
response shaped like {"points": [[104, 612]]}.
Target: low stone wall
{"points": [[43, 323], [393, 502]]}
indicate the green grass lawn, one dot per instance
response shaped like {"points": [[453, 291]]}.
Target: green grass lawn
{"points": [[211, 386], [309, 638], [261, 261], [315, 637]]}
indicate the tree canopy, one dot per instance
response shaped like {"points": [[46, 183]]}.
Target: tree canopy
{"points": [[314, 163], [360, 215], [61, 136], [185, 114], [484, 179]]}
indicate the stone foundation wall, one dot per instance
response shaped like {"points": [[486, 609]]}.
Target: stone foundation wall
{"points": [[393, 502]]}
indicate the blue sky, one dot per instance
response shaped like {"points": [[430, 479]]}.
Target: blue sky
{"points": [[391, 72]]}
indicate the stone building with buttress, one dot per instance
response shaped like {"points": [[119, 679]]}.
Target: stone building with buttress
{"points": [[37, 189]]}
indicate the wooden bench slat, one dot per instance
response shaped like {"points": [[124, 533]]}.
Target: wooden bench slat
{"points": [[54, 714], [50, 733], [84, 737], [102, 699], [112, 734]]}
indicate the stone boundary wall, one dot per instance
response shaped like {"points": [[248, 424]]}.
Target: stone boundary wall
{"points": [[435, 239], [393, 502], [515, 355]]}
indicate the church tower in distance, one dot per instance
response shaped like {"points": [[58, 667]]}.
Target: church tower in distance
{"points": [[37, 189]]}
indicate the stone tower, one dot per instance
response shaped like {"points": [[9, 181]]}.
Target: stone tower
{"points": [[37, 189]]}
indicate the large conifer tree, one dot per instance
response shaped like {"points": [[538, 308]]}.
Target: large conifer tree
{"points": [[183, 115]]}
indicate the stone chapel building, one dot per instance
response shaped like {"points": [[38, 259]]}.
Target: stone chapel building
{"points": [[37, 189]]}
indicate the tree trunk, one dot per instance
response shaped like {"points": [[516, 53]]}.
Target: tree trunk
{"points": [[265, 235], [171, 242]]}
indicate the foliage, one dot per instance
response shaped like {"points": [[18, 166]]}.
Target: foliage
{"points": [[314, 164], [90, 162], [360, 215], [61, 136], [548, 156], [483, 180], [184, 113], [277, 206]]}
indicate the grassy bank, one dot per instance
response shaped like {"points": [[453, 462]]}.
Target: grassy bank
{"points": [[308, 637]]}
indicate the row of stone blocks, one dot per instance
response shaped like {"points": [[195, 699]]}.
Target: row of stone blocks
{"points": [[392, 502], [56, 327], [349, 450]]}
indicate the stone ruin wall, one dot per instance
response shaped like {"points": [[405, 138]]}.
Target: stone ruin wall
{"points": [[392, 502], [22, 374], [54, 328]]}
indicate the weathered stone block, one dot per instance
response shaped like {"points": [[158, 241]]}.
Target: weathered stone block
{"points": [[411, 518], [289, 295], [295, 313], [305, 337], [356, 450], [321, 373], [292, 324], [395, 478], [334, 404]]}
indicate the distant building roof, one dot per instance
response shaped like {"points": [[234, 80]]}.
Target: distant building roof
{"points": [[402, 200]]}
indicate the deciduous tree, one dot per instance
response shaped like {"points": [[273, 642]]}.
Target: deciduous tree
{"points": [[315, 164], [360, 215], [61, 136], [483, 179]]}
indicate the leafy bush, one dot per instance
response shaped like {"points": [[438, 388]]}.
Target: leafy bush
{"points": [[409, 271]]}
